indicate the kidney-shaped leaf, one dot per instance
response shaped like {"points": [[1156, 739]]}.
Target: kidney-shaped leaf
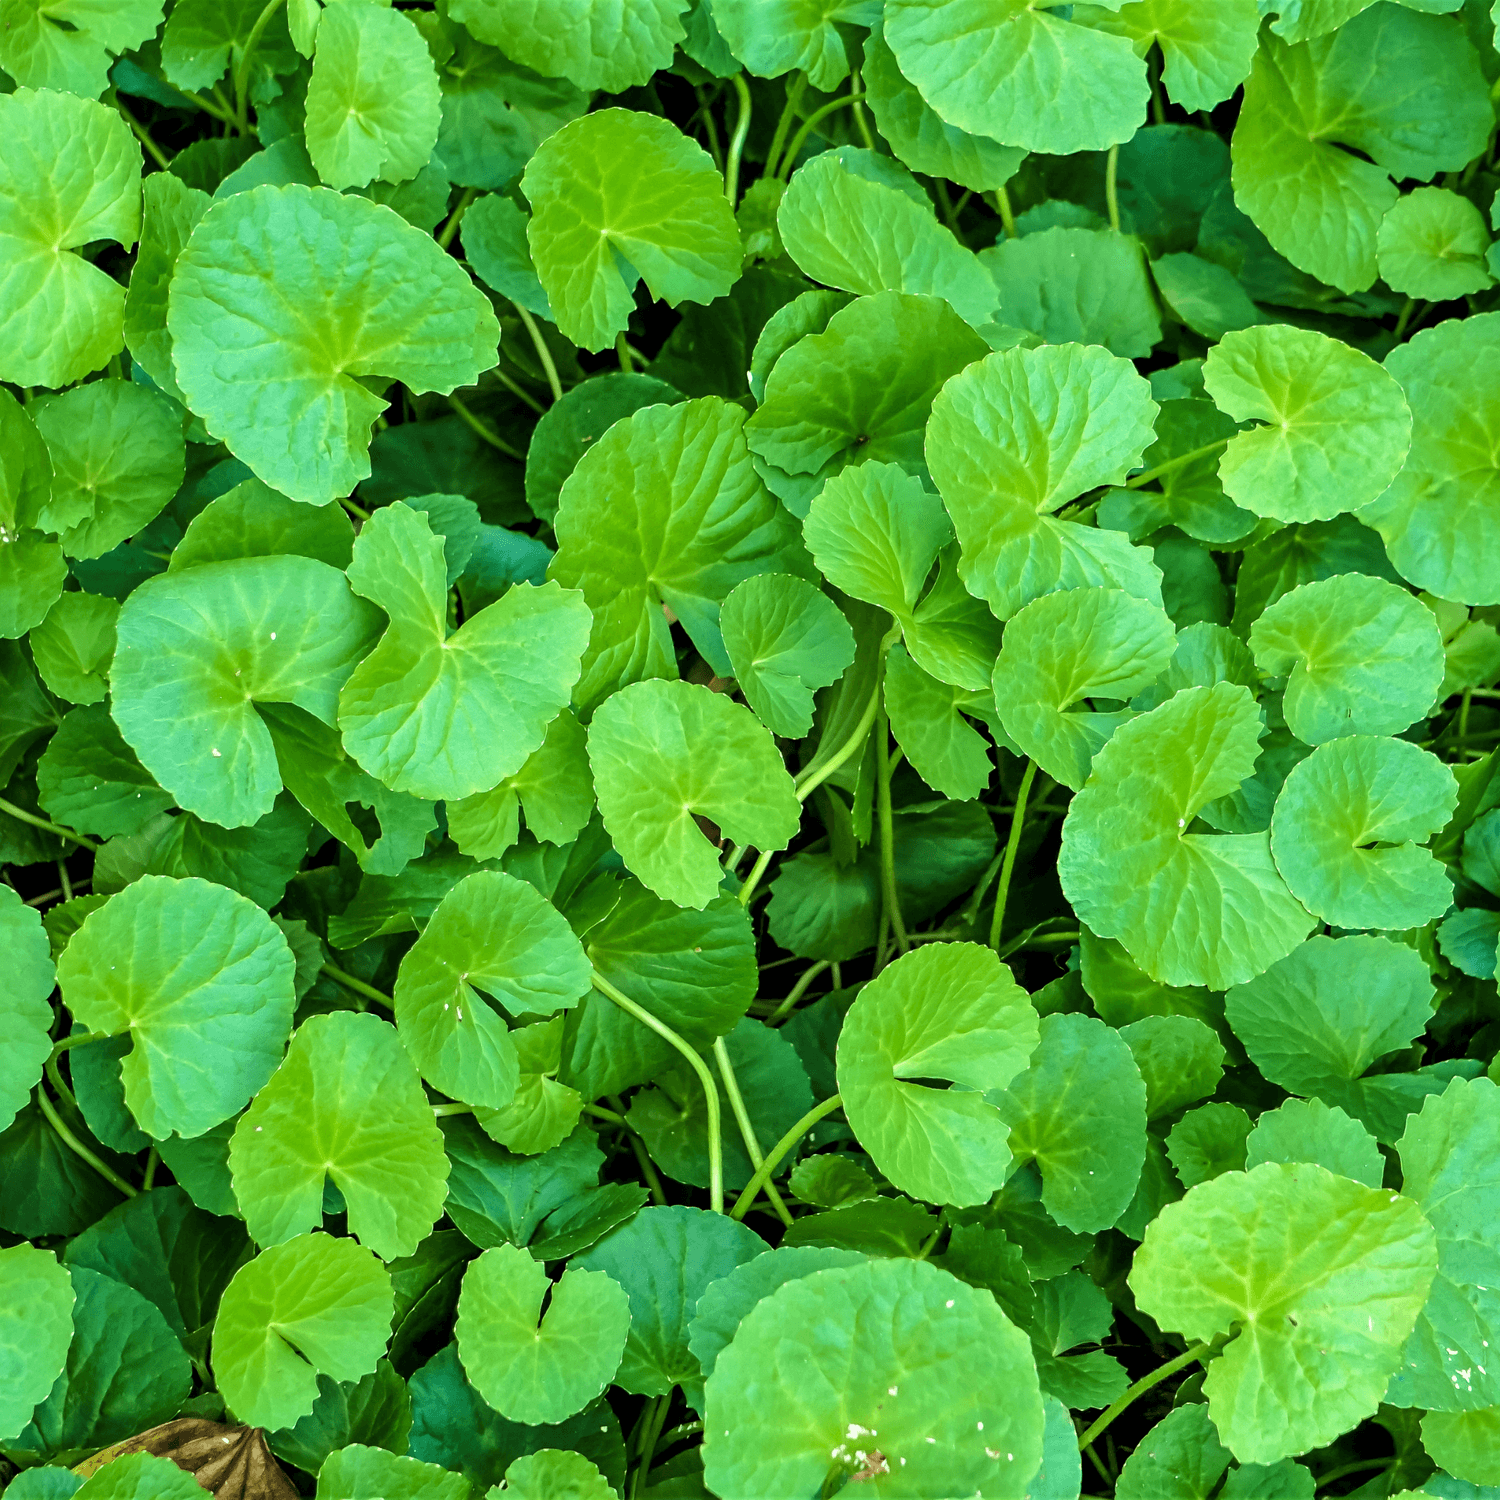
{"points": [[494, 933], [1432, 244], [1191, 908], [530, 1373], [200, 980], [664, 751], [282, 380], [36, 1327], [1321, 1280], [446, 716], [950, 1011]]}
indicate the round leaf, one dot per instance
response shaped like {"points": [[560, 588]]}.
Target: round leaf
{"points": [[1190, 908], [1179, 1058], [662, 752], [137, 1476], [361, 1472], [36, 1327], [556, 1474], [932, 1390], [280, 381], [312, 1305], [200, 979], [76, 56], [1206, 49], [346, 1105], [90, 779], [25, 1011], [253, 520], [1465, 1444], [945, 1010], [1319, 1280], [532, 1373], [1432, 244], [73, 646], [772, 37], [1361, 657], [494, 933], [195, 650], [1068, 646], [1309, 1130], [1348, 830]]}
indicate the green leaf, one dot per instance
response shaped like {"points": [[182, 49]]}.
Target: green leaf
{"points": [[1437, 519], [36, 1327], [345, 1106], [1301, 20], [494, 236], [70, 45], [1206, 50], [1298, 1369], [1349, 827], [1337, 427], [494, 933], [1464, 1443], [665, 508], [359, 1472], [201, 980], [203, 38], [543, 1111], [1122, 993], [70, 175], [32, 569], [373, 102], [1309, 1130], [557, 1474], [1207, 1142], [253, 520], [944, 749], [378, 301], [581, 40], [1297, 554], [540, 1373], [1204, 295], [666, 1258], [663, 752], [1021, 75], [26, 1017], [1327, 123], [1180, 1458], [281, 629], [1067, 647], [139, 1476], [73, 646], [856, 232], [1361, 657], [374, 1411], [1012, 439], [312, 1305], [1077, 286], [1432, 244], [1079, 1111], [1179, 1058], [949, 1011], [1470, 940], [622, 189], [1190, 908], [784, 36], [447, 716], [910, 1383]]}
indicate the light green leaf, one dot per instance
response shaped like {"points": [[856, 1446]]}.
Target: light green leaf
{"points": [[1191, 908], [1079, 1111], [499, 253], [1206, 49], [1361, 657], [1438, 519], [856, 232], [253, 520], [494, 933], [965, 1415], [1179, 1058], [68, 44], [620, 189], [32, 568], [1067, 647], [772, 37], [543, 1111], [346, 1106], [1077, 286], [70, 175], [1019, 74], [360, 1472], [538, 1374], [283, 630], [36, 1323], [204, 38], [1299, 554], [945, 1010], [171, 210], [1181, 1458], [1432, 244], [1470, 941], [312, 1305], [1466, 1444], [927, 718], [1349, 827], [138, 1476], [1301, 20], [447, 716], [556, 1474], [587, 41], [665, 508], [664, 751], [1337, 427], [74, 645], [283, 383], [921, 137], [200, 979], [1309, 1130], [1291, 1260], [26, 1017], [1015, 437], [1207, 1142], [1326, 124], [373, 102]]}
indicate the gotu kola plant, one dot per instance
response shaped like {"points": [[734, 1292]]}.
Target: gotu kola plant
{"points": [[748, 748]]}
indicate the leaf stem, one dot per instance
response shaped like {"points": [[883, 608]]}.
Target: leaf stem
{"points": [[650, 1430], [753, 878], [78, 1039], [517, 391], [798, 991], [1111, 186], [242, 73], [444, 1111], [737, 141], [77, 1147], [784, 124], [815, 775], [1006, 212], [36, 822], [800, 139], [888, 891], [357, 511], [774, 1155], [623, 353], [654, 1184], [747, 1127], [142, 135], [1181, 461], [1139, 1389], [1012, 844], [710, 1089], [359, 987], [543, 353], [447, 232], [483, 430]]}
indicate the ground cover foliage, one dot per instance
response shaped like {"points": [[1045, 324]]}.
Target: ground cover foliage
{"points": [[747, 749]]}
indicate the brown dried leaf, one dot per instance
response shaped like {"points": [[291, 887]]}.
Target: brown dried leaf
{"points": [[232, 1463]]}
